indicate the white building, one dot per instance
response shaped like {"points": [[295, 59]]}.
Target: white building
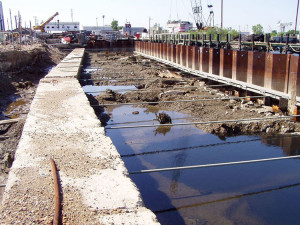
{"points": [[97, 30], [174, 27], [2, 26], [60, 27]]}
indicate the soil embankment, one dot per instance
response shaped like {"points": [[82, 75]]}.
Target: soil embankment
{"points": [[156, 82]]}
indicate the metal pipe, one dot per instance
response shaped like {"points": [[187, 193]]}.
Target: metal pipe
{"points": [[213, 165], [194, 100], [208, 122], [57, 217]]}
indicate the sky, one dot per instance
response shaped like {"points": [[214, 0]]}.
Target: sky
{"points": [[238, 14]]}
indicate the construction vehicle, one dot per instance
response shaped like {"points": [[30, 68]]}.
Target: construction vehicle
{"points": [[42, 26]]}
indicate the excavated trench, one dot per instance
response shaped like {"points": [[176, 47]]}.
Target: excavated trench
{"points": [[20, 72], [261, 193]]}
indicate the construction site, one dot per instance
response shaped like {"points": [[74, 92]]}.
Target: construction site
{"points": [[175, 128]]}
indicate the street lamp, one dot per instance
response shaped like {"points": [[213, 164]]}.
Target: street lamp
{"points": [[103, 20], [97, 22]]}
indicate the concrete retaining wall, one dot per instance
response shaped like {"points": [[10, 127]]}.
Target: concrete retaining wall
{"points": [[61, 125]]}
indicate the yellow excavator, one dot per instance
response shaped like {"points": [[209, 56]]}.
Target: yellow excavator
{"points": [[42, 26]]}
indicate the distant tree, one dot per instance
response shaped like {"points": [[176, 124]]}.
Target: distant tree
{"points": [[292, 32], [258, 29], [114, 24], [274, 33]]}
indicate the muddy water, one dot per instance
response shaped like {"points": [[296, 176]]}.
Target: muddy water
{"points": [[13, 106], [262, 193]]}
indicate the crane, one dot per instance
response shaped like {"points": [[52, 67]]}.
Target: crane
{"points": [[197, 13], [284, 25], [201, 22], [42, 26]]}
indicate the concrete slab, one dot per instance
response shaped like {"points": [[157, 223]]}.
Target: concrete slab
{"points": [[96, 187]]}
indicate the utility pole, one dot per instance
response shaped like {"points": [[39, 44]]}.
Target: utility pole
{"points": [[20, 26], [10, 20], [149, 26], [35, 20], [103, 20], [296, 18], [72, 15], [221, 14], [97, 23], [16, 22]]}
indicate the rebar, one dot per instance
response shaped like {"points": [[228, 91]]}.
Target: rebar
{"points": [[208, 122], [188, 148], [214, 165]]}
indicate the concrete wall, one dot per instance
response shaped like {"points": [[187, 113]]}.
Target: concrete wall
{"points": [[61, 125]]}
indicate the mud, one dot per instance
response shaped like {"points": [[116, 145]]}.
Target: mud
{"points": [[157, 82]]}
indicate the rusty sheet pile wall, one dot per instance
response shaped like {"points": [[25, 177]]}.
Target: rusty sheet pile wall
{"points": [[126, 45], [275, 75]]}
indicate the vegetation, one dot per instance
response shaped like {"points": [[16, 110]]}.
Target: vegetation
{"points": [[114, 24], [258, 29], [216, 30]]}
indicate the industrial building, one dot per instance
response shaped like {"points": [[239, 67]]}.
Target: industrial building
{"points": [[2, 25], [60, 27], [174, 27], [97, 30], [132, 31]]}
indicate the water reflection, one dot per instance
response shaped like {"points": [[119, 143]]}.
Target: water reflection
{"points": [[262, 193], [290, 144], [162, 130]]}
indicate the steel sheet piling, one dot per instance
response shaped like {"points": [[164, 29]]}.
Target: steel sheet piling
{"points": [[178, 50], [226, 63], [256, 68], [276, 74], [189, 57], [214, 61], [239, 65], [204, 60], [294, 75], [173, 53], [183, 55], [195, 58]]}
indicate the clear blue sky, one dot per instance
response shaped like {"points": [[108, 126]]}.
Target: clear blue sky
{"points": [[238, 14]]}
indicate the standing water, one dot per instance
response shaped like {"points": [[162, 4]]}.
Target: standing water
{"points": [[260, 193]]}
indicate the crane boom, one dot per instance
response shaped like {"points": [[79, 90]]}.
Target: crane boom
{"points": [[42, 26]]}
